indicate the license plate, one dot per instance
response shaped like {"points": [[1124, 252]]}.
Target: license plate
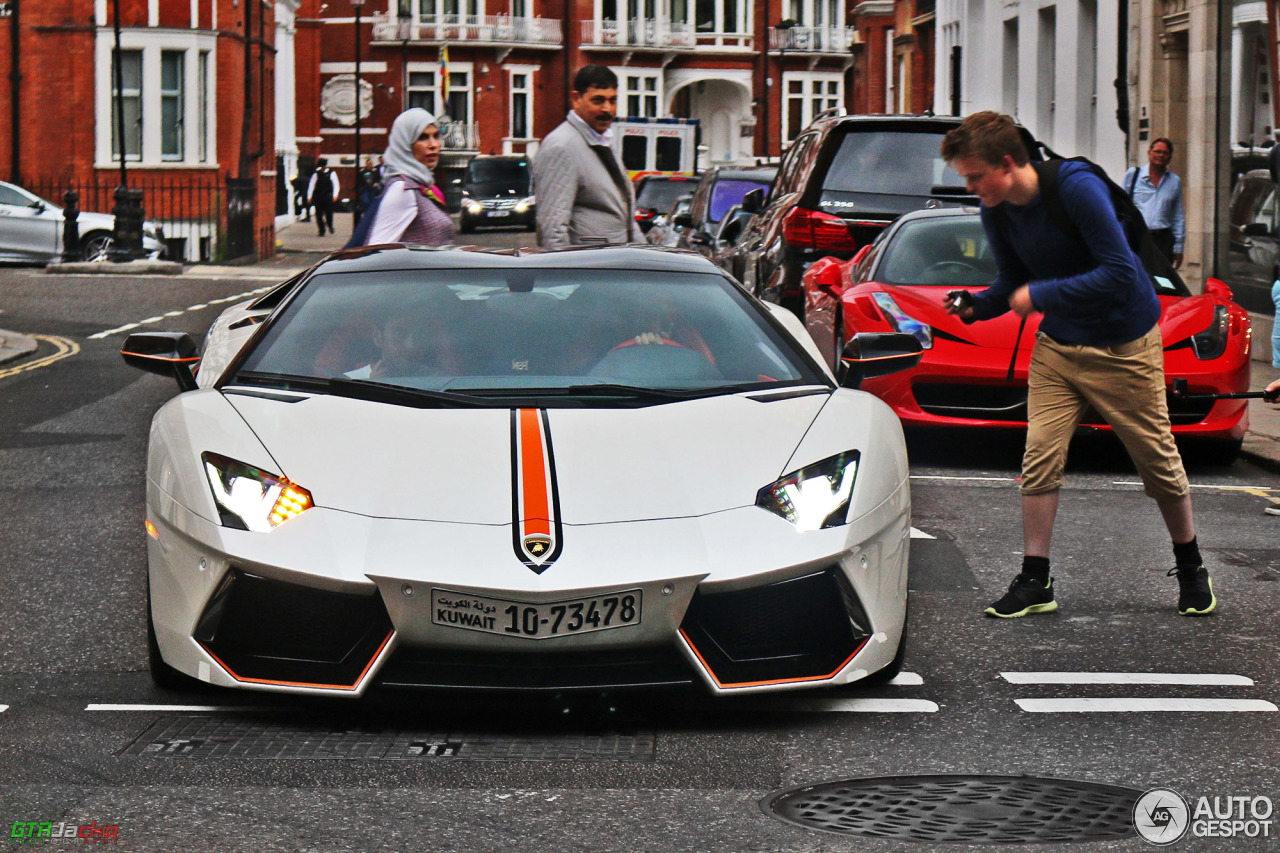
{"points": [[499, 213], [535, 621]]}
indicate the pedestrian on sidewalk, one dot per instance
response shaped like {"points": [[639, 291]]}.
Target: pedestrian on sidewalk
{"points": [[584, 197], [411, 208], [322, 192], [1157, 192], [1098, 345]]}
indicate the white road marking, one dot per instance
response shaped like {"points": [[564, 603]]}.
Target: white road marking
{"points": [[980, 479], [239, 297], [1207, 679], [865, 705], [3, 708], [1207, 486], [177, 708], [1142, 706], [920, 534], [907, 679]]}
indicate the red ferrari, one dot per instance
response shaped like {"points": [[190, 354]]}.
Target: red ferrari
{"points": [[976, 375]]}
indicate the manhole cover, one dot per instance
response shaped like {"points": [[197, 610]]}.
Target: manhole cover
{"points": [[960, 809]]}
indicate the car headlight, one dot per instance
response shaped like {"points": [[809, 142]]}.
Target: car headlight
{"points": [[815, 497], [903, 322], [1212, 342], [474, 207], [523, 205], [249, 498]]}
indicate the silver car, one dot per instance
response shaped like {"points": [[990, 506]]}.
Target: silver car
{"points": [[31, 230]]}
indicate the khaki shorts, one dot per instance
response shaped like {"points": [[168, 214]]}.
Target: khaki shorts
{"points": [[1124, 383]]}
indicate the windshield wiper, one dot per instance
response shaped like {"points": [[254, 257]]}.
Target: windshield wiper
{"points": [[402, 395]]}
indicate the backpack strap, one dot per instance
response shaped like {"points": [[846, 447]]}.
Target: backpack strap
{"points": [[1048, 173]]}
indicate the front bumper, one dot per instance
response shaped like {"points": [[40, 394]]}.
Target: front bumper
{"points": [[735, 602]]}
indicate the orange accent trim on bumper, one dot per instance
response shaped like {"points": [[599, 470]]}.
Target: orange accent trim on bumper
{"points": [[740, 684], [353, 686]]}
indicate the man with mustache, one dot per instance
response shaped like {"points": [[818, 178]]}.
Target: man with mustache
{"points": [[584, 197]]}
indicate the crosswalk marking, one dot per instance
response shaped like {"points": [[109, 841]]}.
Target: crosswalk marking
{"points": [[1112, 706], [1190, 678]]}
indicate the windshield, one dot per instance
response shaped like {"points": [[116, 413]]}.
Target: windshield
{"points": [[952, 251], [892, 162], [505, 333], [513, 173]]}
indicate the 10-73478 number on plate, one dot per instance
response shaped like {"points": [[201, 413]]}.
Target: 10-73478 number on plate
{"points": [[535, 620]]}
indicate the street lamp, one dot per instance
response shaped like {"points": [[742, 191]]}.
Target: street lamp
{"points": [[356, 205]]}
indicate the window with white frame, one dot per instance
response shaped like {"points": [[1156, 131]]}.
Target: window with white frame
{"points": [[168, 98], [429, 11], [808, 95], [639, 95], [719, 16], [521, 102], [816, 13], [422, 90]]}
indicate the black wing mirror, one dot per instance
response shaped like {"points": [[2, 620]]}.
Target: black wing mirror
{"points": [[165, 353], [753, 202], [871, 354]]}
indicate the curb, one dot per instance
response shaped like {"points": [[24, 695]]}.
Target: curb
{"points": [[14, 346], [111, 268]]}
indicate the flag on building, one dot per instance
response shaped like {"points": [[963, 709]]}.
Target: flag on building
{"points": [[444, 79]]}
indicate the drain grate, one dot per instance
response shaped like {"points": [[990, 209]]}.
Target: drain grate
{"points": [[960, 809], [214, 737]]}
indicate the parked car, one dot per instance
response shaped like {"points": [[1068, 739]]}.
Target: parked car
{"points": [[663, 231], [498, 191], [728, 235], [656, 193], [31, 230], [842, 182], [304, 538], [976, 375], [1253, 258], [720, 189]]}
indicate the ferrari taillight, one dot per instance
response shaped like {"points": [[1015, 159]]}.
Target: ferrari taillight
{"points": [[813, 229]]}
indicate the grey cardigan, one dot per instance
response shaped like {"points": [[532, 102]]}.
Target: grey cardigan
{"points": [[579, 202]]}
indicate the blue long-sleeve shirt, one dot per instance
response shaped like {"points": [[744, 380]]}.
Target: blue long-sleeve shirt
{"points": [[1161, 205], [1091, 291]]}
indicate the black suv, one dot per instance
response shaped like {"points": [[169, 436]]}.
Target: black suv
{"points": [[842, 181], [498, 191]]}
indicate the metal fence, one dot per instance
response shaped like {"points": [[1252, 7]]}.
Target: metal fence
{"points": [[190, 209]]}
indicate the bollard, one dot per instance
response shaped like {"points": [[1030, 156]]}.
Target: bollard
{"points": [[128, 228], [71, 250]]}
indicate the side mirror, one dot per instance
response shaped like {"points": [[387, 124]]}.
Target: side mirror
{"points": [[1273, 163], [753, 202], [1256, 229], [828, 276], [683, 220], [38, 206], [1218, 289], [164, 353], [871, 354], [702, 238]]}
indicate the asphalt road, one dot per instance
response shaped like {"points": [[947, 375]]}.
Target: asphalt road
{"points": [[85, 737]]}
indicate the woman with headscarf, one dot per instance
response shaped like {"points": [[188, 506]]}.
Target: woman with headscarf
{"points": [[411, 209]]}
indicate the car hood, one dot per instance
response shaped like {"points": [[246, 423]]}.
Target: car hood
{"points": [[1180, 317], [608, 465]]}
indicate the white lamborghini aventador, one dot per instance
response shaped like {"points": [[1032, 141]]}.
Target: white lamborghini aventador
{"points": [[596, 468]]}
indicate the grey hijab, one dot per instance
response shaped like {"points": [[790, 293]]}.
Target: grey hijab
{"points": [[399, 159]]}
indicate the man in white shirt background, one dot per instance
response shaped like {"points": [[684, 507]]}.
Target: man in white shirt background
{"points": [[1157, 192]]}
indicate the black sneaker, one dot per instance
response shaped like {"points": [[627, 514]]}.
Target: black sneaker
{"points": [[1195, 597], [1026, 595]]}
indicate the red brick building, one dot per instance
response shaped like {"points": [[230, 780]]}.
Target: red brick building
{"points": [[753, 72], [198, 102], [893, 69]]}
